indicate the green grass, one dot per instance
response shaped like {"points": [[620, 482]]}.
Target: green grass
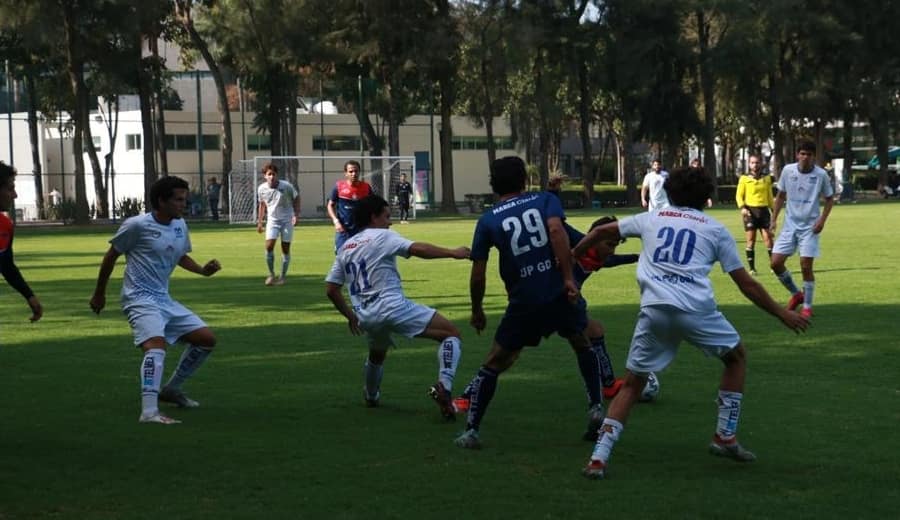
{"points": [[282, 432]]}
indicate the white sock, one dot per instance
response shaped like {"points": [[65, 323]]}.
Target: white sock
{"points": [[373, 374], [788, 282], [270, 262], [448, 359], [285, 262], [729, 414], [809, 288], [151, 379], [191, 359], [609, 434]]}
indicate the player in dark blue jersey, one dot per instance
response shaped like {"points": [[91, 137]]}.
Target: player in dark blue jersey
{"points": [[536, 267]]}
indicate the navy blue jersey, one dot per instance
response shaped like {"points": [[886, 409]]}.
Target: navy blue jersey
{"points": [[517, 227], [404, 191]]}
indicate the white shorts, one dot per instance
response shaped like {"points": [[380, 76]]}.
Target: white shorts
{"points": [[397, 315], [660, 329], [792, 239], [169, 320], [279, 228]]}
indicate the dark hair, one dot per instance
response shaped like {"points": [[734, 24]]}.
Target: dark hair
{"points": [[165, 188], [353, 163], [366, 209], [508, 175], [7, 172], [606, 220], [689, 187], [807, 146], [269, 166]]}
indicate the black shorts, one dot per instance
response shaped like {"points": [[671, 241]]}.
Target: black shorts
{"points": [[759, 218], [404, 204], [524, 325]]}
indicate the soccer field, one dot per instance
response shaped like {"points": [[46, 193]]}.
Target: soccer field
{"points": [[283, 433]]}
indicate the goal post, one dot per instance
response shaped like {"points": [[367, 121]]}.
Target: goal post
{"points": [[314, 176]]}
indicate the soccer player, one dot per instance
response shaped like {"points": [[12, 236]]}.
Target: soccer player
{"points": [[153, 244], [679, 247], [404, 195], [367, 265], [281, 202], [344, 197], [11, 273], [801, 184], [755, 200], [653, 191], [536, 268]]}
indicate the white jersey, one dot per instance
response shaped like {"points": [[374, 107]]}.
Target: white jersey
{"points": [[802, 191], [367, 265], [679, 247], [279, 200], [152, 250], [657, 197]]}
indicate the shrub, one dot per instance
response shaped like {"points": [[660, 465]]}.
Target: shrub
{"points": [[129, 207]]}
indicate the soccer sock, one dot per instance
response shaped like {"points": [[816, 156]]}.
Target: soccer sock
{"points": [[751, 259], [607, 376], [729, 413], [788, 282], [770, 253], [191, 359], [270, 262], [809, 288], [483, 386], [285, 262], [609, 434], [373, 374], [448, 359], [151, 379], [589, 366]]}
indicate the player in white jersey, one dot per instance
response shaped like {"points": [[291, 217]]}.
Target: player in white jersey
{"points": [[153, 244], [653, 192], [680, 244], [367, 264], [279, 206], [802, 184]]}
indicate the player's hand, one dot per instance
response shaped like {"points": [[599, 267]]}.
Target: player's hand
{"points": [[818, 227], [212, 267], [338, 227], [794, 321], [294, 220], [772, 228], [37, 310], [478, 321], [572, 291], [461, 253], [259, 227], [745, 212], [644, 203], [353, 324], [98, 301]]}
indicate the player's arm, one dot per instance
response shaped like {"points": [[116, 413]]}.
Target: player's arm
{"points": [[260, 216], [645, 190], [559, 241], [329, 208], [756, 293], [208, 269], [98, 300], [334, 293], [429, 251], [296, 216], [477, 285], [609, 231], [15, 280], [617, 260], [779, 203], [740, 196], [826, 210]]}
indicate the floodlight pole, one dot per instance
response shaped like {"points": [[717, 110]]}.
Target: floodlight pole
{"points": [[9, 109], [200, 144], [322, 132]]}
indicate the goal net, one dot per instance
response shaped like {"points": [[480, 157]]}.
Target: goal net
{"points": [[314, 176]]}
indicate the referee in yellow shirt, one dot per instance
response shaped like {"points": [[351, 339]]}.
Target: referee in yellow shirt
{"points": [[755, 200]]}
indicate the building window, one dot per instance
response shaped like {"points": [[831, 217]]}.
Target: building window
{"points": [[181, 142], [336, 143], [96, 140], [257, 142], [210, 142], [463, 142], [132, 142]]}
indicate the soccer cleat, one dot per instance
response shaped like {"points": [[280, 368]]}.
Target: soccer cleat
{"points": [[596, 414], [278, 281], [795, 301], [270, 280], [610, 391], [157, 418], [371, 401], [806, 312], [177, 397], [469, 440], [752, 272], [730, 449], [595, 470], [444, 401], [461, 404]]}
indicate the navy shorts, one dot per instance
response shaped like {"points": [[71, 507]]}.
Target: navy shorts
{"points": [[524, 325]]}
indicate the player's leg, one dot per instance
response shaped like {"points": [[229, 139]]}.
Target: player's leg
{"points": [[731, 393], [597, 336], [809, 250], [148, 328], [481, 391], [373, 372], [183, 326], [287, 236], [750, 250], [442, 330], [270, 256], [785, 246], [765, 222]]}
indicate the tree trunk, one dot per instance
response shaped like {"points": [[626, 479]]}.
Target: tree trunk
{"points": [[880, 135], [33, 139], [448, 192], [707, 85], [75, 72], [849, 118], [149, 145], [585, 101], [160, 119]]}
